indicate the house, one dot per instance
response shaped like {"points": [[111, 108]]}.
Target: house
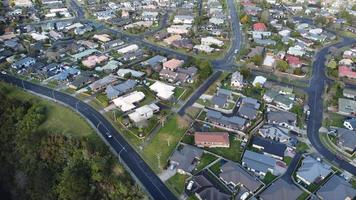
{"points": [[88, 44], [162, 90], [212, 139], [273, 132], [346, 139], [23, 3], [281, 189], [293, 61], [248, 108], [232, 122], [269, 147], [349, 93], [283, 101], [259, 27], [207, 190], [143, 113], [296, 51], [259, 81], [233, 173], [312, 170], [24, 63], [237, 80], [220, 100], [168, 75], [114, 91], [336, 189], [203, 48], [179, 29], [183, 19], [183, 43], [128, 49], [347, 106], [208, 41], [109, 66], [260, 34], [127, 102], [169, 40], [84, 53], [269, 61], [112, 44], [81, 80], [258, 50], [350, 124], [93, 60], [265, 42], [258, 163], [154, 61], [102, 83], [282, 118], [347, 72], [185, 159], [102, 37], [122, 72], [173, 64]]}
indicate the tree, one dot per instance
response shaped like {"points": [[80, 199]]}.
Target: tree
{"points": [[321, 20], [332, 64], [162, 119], [265, 16], [257, 60], [282, 65], [244, 19], [245, 72]]}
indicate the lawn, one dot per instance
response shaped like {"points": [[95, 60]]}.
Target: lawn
{"points": [[232, 153], [205, 160], [164, 142], [59, 118], [177, 183], [287, 160], [193, 111], [302, 147], [178, 92], [269, 177], [215, 168], [103, 99], [188, 139], [149, 96]]}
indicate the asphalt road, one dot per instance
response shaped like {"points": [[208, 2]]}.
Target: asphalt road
{"points": [[315, 100], [154, 186]]}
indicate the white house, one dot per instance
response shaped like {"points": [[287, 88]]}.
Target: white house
{"points": [[204, 48], [127, 49], [259, 80], [296, 51], [126, 102], [211, 41], [143, 113], [179, 29], [163, 90], [183, 19], [237, 80]]}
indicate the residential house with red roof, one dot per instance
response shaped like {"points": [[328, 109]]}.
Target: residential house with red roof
{"points": [[345, 71], [212, 139], [294, 61], [259, 27]]}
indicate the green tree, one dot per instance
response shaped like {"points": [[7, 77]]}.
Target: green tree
{"points": [[282, 65], [332, 64], [257, 60], [265, 16]]}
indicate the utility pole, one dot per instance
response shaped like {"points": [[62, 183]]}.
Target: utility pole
{"points": [[158, 160]]}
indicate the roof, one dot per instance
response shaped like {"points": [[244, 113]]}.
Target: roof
{"points": [[270, 146], [258, 161], [281, 189], [252, 101], [260, 80], [83, 54], [274, 132], [143, 112], [237, 76], [311, 169], [219, 100], [259, 26], [173, 64], [336, 189], [217, 116], [233, 172], [347, 106], [281, 117], [163, 90], [347, 138], [185, 157], [126, 103], [349, 91], [346, 71], [103, 82], [134, 73], [207, 190], [119, 89], [212, 137], [155, 60], [247, 110]]}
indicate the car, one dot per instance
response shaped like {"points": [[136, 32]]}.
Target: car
{"points": [[236, 51], [244, 195], [190, 185], [3, 72]]}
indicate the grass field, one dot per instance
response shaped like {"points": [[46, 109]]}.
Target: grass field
{"points": [[59, 118], [269, 178], [177, 183], [287, 160], [205, 160], [232, 153], [163, 143]]}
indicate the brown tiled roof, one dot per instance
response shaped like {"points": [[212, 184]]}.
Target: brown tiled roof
{"points": [[211, 137]]}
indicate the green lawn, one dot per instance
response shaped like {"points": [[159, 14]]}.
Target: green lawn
{"points": [[287, 160], [149, 96], [268, 178], [188, 139], [163, 143], [177, 183], [215, 168], [59, 118], [103, 99], [178, 92], [232, 153], [205, 160], [302, 147]]}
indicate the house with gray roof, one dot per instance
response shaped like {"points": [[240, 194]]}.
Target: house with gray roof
{"points": [[336, 189], [312, 170], [114, 91], [349, 93], [282, 118], [273, 132], [233, 173], [154, 61], [346, 139], [186, 158], [102, 83], [252, 101], [233, 122], [205, 189], [248, 111], [24, 63], [258, 163], [269, 147], [281, 189], [347, 106]]}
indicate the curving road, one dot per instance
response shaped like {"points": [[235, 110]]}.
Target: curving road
{"points": [[153, 185], [315, 99]]}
